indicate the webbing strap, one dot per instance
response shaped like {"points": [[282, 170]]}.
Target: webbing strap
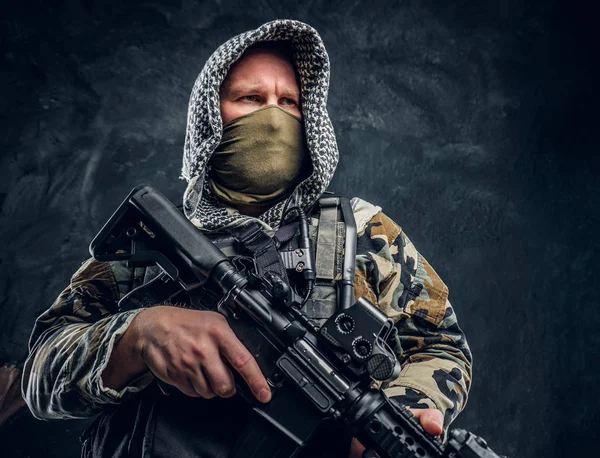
{"points": [[157, 289], [326, 239], [263, 249]]}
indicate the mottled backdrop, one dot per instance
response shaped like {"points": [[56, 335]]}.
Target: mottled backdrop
{"points": [[470, 122]]}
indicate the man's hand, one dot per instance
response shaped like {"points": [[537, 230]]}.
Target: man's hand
{"points": [[189, 349], [431, 420]]}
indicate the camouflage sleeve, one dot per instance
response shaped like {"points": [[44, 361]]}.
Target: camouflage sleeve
{"points": [[71, 344], [434, 354]]}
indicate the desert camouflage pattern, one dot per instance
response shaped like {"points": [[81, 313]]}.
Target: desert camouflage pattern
{"points": [[433, 351], [72, 341]]}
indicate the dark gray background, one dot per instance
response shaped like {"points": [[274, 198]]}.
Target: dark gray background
{"points": [[470, 122]]}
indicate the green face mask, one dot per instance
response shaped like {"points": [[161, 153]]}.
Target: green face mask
{"points": [[261, 159]]}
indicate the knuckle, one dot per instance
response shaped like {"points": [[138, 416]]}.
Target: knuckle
{"points": [[200, 349], [188, 362], [242, 361], [224, 390], [214, 328], [216, 324]]}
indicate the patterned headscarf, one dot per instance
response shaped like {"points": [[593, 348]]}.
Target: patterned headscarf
{"points": [[205, 126]]}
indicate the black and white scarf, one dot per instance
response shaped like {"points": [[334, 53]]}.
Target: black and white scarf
{"points": [[205, 126]]}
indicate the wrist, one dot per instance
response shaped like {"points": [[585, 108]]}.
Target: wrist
{"points": [[126, 360], [132, 344]]}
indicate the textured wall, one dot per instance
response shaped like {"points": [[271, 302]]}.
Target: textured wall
{"points": [[470, 122]]}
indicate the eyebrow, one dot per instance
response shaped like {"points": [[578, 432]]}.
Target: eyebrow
{"points": [[238, 90]]}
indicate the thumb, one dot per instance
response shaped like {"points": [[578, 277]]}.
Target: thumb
{"points": [[431, 420]]}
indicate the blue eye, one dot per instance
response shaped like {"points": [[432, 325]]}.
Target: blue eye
{"points": [[290, 102], [250, 98]]}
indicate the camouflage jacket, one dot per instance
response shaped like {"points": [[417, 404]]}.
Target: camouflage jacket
{"points": [[72, 341]]}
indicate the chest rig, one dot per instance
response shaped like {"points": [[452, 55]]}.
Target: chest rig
{"points": [[311, 258]]}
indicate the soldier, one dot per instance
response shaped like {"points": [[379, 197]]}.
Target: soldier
{"points": [[258, 140]]}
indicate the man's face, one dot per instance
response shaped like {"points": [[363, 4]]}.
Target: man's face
{"points": [[260, 78]]}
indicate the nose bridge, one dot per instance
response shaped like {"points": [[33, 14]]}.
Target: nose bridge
{"points": [[272, 98], [272, 92]]}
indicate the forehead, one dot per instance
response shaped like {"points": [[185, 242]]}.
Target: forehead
{"points": [[260, 66]]}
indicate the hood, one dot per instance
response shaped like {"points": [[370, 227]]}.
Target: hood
{"points": [[205, 126]]}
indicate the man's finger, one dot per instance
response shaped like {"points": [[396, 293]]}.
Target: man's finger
{"points": [[431, 420], [200, 385], [244, 363], [219, 376]]}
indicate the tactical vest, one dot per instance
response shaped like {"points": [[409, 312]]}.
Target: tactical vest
{"points": [[155, 425]]}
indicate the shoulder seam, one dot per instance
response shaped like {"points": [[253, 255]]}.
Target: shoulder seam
{"points": [[363, 212]]}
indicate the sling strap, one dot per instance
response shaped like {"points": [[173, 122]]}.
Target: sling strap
{"points": [[326, 239], [263, 248]]}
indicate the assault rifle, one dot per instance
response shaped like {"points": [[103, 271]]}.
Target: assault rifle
{"points": [[316, 373]]}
